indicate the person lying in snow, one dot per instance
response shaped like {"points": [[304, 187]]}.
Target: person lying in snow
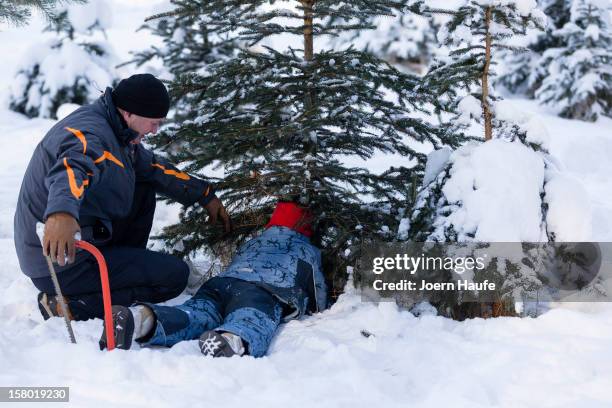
{"points": [[274, 277]]}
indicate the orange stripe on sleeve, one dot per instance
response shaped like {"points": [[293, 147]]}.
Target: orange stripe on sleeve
{"points": [[80, 135], [207, 191], [109, 156], [177, 174], [74, 187]]}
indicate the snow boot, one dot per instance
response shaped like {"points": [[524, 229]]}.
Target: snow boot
{"points": [[49, 306], [217, 344], [123, 327]]}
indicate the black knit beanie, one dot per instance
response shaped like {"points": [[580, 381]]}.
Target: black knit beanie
{"points": [[143, 95]]}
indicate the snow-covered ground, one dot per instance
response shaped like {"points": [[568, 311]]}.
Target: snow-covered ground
{"points": [[561, 359]]}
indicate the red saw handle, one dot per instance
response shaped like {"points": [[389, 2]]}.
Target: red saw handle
{"points": [[106, 296]]}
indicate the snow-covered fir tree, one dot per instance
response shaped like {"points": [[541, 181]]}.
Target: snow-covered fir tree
{"points": [[522, 72], [467, 194], [73, 66], [475, 32], [578, 73], [18, 12], [402, 38], [567, 66], [497, 191], [284, 123]]}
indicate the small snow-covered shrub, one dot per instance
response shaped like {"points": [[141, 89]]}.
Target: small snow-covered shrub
{"points": [[578, 82], [72, 67]]}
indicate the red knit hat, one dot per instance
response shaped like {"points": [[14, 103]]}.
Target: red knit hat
{"points": [[291, 215]]}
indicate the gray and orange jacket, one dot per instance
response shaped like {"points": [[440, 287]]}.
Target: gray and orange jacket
{"points": [[86, 166]]}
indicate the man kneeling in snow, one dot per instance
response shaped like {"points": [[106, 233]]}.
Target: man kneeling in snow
{"points": [[275, 276]]}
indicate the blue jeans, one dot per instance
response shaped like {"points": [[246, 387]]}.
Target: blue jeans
{"points": [[221, 304]]}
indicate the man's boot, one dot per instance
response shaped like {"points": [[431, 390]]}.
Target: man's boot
{"points": [[129, 324], [49, 306]]}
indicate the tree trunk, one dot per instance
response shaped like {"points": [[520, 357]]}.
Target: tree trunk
{"points": [[486, 109], [308, 45], [309, 102]]}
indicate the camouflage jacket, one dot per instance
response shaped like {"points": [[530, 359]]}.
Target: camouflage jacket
{"points": [[285, 263]]}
